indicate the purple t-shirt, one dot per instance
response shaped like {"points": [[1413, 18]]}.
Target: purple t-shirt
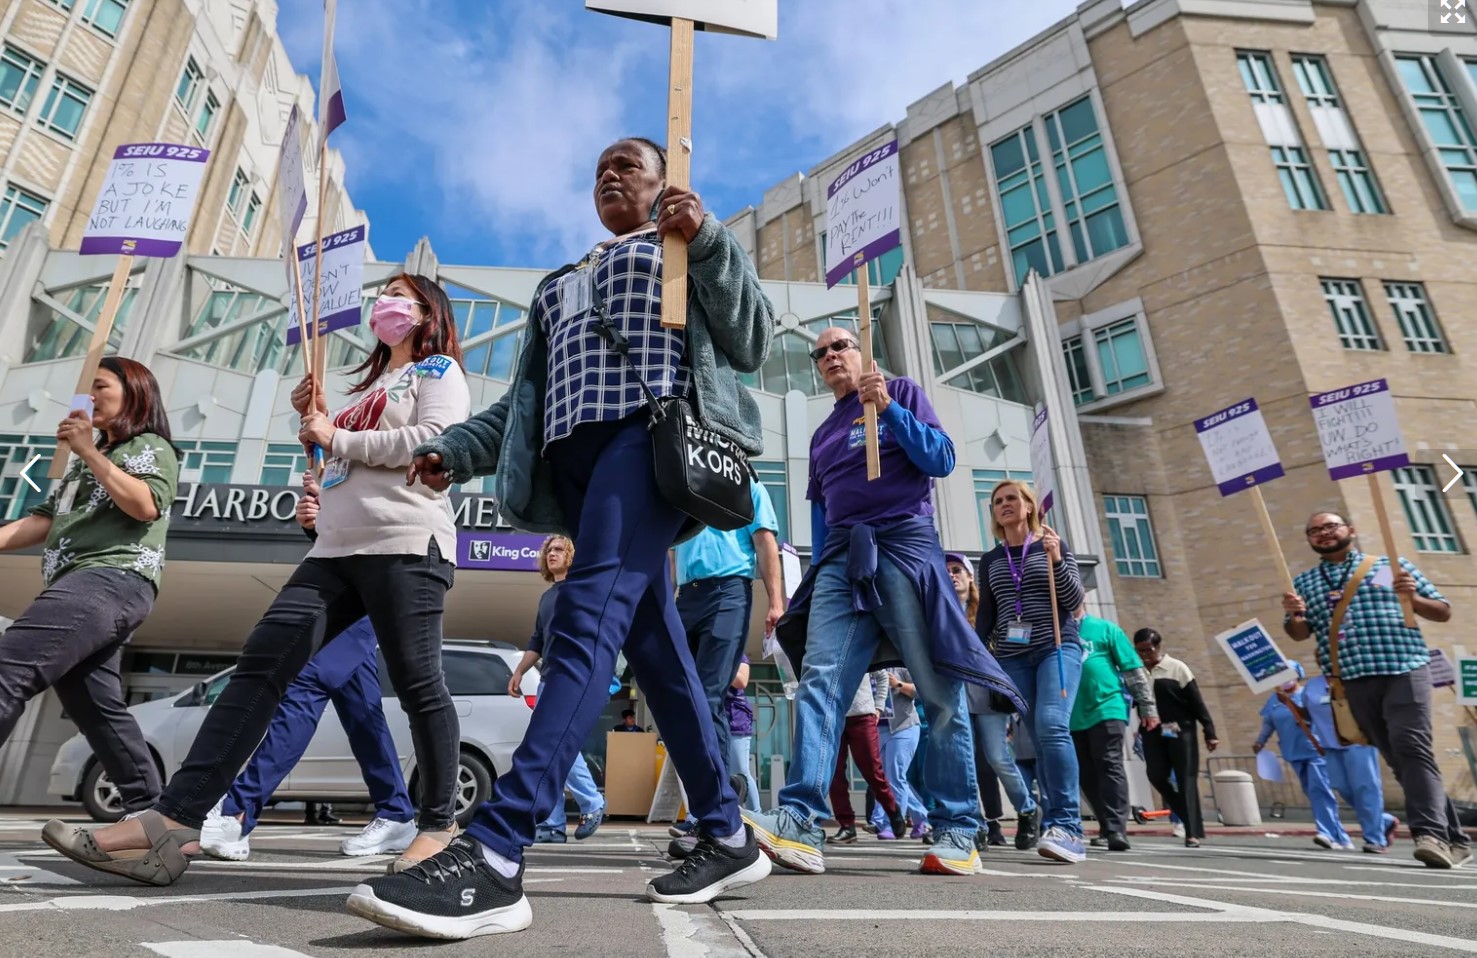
{"points": [[838, 464]]}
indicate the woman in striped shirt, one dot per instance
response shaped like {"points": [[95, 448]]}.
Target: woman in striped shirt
{"points": [[1015, 621]]}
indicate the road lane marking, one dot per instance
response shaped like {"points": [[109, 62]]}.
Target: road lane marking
{"points": [[696, 934], [128, 902], [1352, 896], [922, 914], [231, 948]]}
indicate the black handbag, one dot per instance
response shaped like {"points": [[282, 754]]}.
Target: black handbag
{"points": [[700, 473]]}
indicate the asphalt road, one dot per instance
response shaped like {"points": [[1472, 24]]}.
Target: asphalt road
{"points": [[1239, 895]]}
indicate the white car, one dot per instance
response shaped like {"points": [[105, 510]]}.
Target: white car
{"points": [[492, 726]]}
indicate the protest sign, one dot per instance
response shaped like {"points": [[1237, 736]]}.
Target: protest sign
{"points": [[1360, 434], [1256, 657], [757, 18], [863, 213], [1239, 449], [1466, 680], [145, 204], [341, 288], [292, 192], [1042, 476], [1443, 673]]}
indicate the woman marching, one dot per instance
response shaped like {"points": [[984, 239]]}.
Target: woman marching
{"points": [[570, 446], [384, 549], [104, 528], [1015, 621]]}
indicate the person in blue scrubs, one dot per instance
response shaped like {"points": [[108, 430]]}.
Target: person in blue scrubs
{"points": [[1353, 771], [1285, 715]]}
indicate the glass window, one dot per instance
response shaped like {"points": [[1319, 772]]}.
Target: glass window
{"points": [[1134, 553], [16, 497], [18, 209], [880, 271], [62, 338], [1469, 483], [189, 84], [253, 207], [105, 16], [475, 673], [239, 183], [1417, 320], [1425, 510], [20, 73], [956, 343], [1356, 327], [207, 115], [1357, 182], [1025, 208], [1259, 76], [1315, 81], [1081, 162], [773, 475], [1121, 357], [207, 462], [1077, 370], [65, 104], [1298, 179], [789, 365], [1441, 114], [283, 465]]}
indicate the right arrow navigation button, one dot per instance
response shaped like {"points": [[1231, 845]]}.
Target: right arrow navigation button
{"points": [[1456, 478]]}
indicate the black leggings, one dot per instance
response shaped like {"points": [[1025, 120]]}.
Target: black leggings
{"points": [[403, 595]]}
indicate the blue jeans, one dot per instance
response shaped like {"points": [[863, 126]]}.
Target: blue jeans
{"points": [[989, 732], [1313, 774], [898, 749], [581, 785], [838, 652], [738, 764], [617, 597], [1035, 674], [715, 613], [1027, 768], [345, 672], [1354, 773]]}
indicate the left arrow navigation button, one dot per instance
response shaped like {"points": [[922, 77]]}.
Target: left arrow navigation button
{"points": [[27, 468]]}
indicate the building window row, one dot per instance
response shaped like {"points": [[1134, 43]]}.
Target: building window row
{"points": [[187, 93], [1446, 123], [18, 209], [1356, 325], [1109, 362], [104, 16], [63, 107]]}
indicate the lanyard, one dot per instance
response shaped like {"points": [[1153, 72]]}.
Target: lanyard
{"points": [[1015, 576], [1336, 590], [600, 248]]}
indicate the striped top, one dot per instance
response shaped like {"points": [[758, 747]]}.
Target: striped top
{"points": [[998, 598]]}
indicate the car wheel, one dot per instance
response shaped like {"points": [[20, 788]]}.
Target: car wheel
{"points": [[100, 796], [473, 787]]}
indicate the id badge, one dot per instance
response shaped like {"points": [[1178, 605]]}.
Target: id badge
{"points": [[335, 471], [1018, 633], [67, 497], [574, 294]]}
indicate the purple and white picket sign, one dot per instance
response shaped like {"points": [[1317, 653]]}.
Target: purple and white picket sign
{"points": [[863, 213], [341, 295], [147, 199], [498, 551], [1359, 430], [1042, 476], [1238, 447], [292, 192]]}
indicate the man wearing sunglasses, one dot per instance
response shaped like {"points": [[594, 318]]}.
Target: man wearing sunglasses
{"points": [[877, 594], [1383, 665]]}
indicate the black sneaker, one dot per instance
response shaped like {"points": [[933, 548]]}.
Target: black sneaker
{"points": [[981, 840], [843, 836], [1026, 831], [454, 895], [680, 848], [1118, 842], [740, 787], [996, 835], [709, 871]]}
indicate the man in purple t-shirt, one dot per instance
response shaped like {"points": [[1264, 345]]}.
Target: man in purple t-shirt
{"points": [[877, 573]]}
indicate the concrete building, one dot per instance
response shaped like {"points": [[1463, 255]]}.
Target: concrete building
{"points": [[1228, 198]]}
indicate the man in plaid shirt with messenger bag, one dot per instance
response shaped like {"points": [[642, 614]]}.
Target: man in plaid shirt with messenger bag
{"points": [[1378, 666]]}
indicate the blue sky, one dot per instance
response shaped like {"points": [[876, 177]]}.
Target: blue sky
{"points": [[478, 122]]}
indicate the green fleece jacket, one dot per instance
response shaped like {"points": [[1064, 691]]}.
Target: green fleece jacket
{"points": [[730, 325]]}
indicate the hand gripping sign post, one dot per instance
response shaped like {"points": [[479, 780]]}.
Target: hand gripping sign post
{"points": [[143, 210], [1241, 455], [1360, 435], [863, 221], [750, 18], [1044, 479]]}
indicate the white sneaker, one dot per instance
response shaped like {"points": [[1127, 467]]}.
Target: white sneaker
{"points": [[220, 837], [380, 837], [1179, 830]]}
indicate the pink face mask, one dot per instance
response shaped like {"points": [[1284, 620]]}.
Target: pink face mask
{"points": [[392, 319]]}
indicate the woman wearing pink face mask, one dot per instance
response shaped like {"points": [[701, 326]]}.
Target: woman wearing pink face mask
{"points": [[384, 549]]}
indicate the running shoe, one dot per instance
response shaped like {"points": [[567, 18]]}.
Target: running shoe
{"points": [[953, 853], [791, 844], [1060, 845]]}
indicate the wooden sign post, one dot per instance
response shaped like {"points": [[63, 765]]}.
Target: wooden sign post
{"points": [[331, 115], [1360, 434], [1043, 477], [751, 18], [1242, 456], [863, 221], [292, 206], [143, 209]]}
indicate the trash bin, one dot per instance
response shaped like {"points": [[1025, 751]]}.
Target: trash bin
{"points": [[1235, 798]]}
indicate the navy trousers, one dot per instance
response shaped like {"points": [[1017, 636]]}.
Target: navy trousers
{"points": [[618, 596], [715, 614], [346, 673]]}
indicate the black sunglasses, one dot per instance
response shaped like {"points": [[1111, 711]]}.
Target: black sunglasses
{"points": [[839, 346]]}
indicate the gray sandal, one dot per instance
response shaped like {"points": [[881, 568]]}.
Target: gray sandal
{"points": [[161, 864]]}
